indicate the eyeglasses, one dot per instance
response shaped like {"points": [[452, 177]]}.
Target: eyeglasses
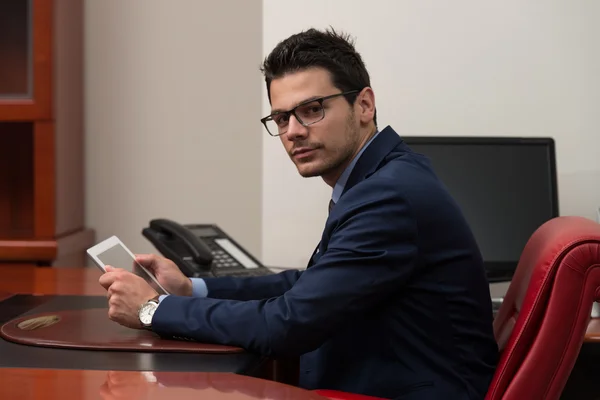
{"points": [[307, 113]]}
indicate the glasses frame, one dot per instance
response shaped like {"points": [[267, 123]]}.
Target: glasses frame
{"points": [[320, 100]]}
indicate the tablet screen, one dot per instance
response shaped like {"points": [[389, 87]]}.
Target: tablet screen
{"points": [[117, 256]]}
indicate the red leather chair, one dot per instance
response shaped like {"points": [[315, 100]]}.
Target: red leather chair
{"points": [[542, 322]]}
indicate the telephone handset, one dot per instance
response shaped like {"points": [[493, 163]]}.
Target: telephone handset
{"points": [[175, 241], [202, 250]]}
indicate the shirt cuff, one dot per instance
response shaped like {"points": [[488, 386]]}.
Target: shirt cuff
{"points": [[199, 288]]}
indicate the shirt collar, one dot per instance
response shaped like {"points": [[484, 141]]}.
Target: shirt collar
{"points": [[338, 189]]}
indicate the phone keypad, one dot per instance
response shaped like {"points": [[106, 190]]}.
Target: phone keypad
{"points": [[225, 265], [222, 259], [247, 273]]}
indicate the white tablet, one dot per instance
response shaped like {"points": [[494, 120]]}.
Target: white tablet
{"points": [[114, 253]]}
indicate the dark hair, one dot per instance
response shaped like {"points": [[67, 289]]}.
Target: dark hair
{"points": [[327, 49]]}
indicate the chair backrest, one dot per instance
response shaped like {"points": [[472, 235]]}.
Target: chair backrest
{"points": [[541, 324]]}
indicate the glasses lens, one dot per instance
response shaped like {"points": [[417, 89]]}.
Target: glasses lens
{"points": [[307, 114], [273, 128], [310, 113]]}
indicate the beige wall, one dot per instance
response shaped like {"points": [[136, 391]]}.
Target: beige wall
{"points": [[172, 110], [174, 94], [466, 67]]}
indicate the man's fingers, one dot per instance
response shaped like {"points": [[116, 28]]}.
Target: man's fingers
{"points": [[144, 258], [112, 302], [107, 279], [112, 314], [147, 261]]}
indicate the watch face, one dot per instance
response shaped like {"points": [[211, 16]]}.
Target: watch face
{"points": [[147, 312]]}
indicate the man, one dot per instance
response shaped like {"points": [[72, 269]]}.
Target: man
{"points": [[394, 302]]}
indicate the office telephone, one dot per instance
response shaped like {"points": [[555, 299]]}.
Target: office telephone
{"points": [[202, 250]]}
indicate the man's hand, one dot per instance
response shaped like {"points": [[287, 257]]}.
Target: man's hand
{"points": [[167, 273], [126, 294]]}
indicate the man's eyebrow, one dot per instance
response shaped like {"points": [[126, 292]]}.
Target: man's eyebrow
{"points": [[279, 110]]}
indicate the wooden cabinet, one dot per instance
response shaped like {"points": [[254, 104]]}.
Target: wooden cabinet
{"points": [[41, 133]]}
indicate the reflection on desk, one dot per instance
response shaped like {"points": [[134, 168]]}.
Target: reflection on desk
{"points": [[67, 282], [121, 385]]}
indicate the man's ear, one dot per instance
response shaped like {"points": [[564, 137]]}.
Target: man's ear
{"points": [[365, 103]]}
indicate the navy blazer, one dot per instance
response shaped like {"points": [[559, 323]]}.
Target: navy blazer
{"points": [[394, 302]]}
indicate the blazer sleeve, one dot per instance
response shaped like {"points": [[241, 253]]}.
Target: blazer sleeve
{"points": [[371, 252], [251, 288]]}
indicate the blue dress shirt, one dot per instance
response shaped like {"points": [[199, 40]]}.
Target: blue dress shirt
{"points": [[338, 189], [199, 289]]}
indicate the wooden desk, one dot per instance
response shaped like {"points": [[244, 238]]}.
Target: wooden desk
{"points": [[84, 281], [126, 385], [592, 335], [50, 280]]}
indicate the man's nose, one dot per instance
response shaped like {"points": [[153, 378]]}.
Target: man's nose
{"points": [[295, 129]]}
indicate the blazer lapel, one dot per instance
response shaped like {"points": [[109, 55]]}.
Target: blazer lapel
{"points": [[310, 260], [368, 163], [373, 155]]}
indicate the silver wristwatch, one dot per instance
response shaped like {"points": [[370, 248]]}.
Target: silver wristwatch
{"points": [[146, 312]]}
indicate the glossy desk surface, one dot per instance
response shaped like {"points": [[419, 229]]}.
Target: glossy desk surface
{"points": [[132, 381], [50, 290], [45, 280], [48, 384], [68, 382], [593, 331]]}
